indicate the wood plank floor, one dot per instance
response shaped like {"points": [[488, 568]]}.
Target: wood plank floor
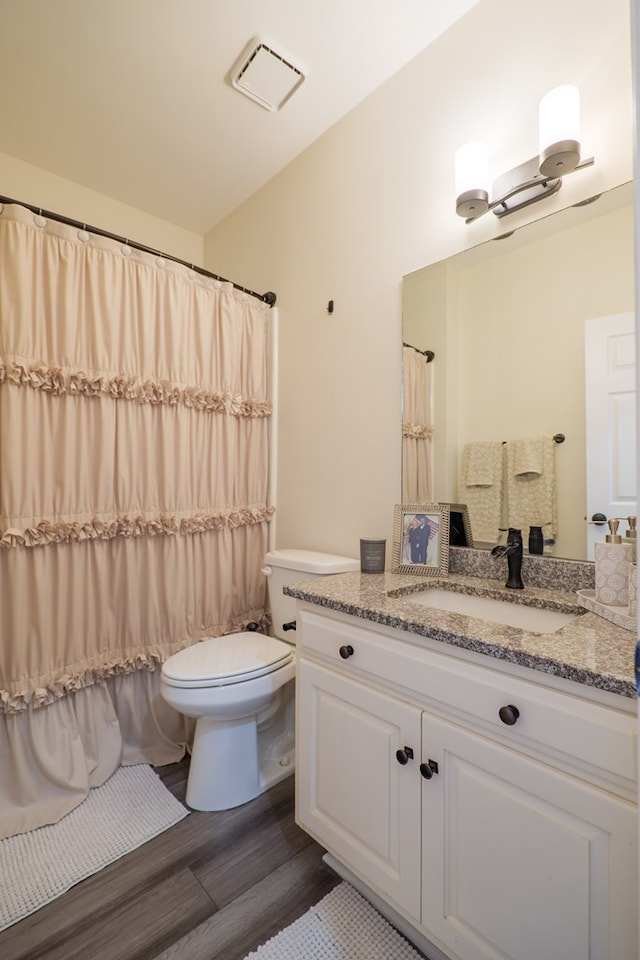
{"points": [[216, 885]]}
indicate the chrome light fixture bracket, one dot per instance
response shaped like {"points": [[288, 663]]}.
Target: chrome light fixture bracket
{"points": [[560, 158], [521, 186], [472, 204]]}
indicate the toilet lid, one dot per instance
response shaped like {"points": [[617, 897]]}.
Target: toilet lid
{"points": [[229, 659]]}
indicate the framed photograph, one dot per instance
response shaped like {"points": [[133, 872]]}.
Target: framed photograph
{"points": [[460, 534], [421, 538]]}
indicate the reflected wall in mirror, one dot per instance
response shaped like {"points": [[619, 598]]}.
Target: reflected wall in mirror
{"points": [[506, 321]]}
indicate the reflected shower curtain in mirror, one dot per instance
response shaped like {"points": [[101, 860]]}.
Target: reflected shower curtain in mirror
{"points": [[134, 418], [417, 429]]}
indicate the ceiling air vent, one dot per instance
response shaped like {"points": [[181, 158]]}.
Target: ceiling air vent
{"points": [[265, 76]]}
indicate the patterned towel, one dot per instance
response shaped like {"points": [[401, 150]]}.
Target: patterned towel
{"points": [[481, 486], [531, 494]]}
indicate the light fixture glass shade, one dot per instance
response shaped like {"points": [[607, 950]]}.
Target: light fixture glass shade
{"points": [[472, 179], [559, 131]]}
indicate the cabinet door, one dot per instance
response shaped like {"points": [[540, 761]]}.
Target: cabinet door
{"points": [[521, 861], [352, 794]]}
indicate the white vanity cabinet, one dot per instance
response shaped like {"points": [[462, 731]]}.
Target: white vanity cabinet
{"points": [[493, 839], [352, 793]]}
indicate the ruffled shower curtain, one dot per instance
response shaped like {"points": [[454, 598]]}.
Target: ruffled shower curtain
{"points": [[417, 430], [134, 420]]}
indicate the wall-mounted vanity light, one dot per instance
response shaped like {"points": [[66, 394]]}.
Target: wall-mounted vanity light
{"points": [[559, 139]]}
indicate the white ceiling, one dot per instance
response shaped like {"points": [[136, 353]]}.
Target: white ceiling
{"points": [[128, 97]]}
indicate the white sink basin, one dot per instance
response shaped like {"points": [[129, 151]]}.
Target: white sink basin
{"points": [[497, 611]]}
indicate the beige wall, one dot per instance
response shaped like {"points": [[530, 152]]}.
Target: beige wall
{"points": [[32, 185], [373, 199]]}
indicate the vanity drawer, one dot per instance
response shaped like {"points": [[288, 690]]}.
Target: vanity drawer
{"points": [[566, 728]]}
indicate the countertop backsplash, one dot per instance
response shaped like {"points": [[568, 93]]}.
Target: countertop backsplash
{"points": [[551, 573]]}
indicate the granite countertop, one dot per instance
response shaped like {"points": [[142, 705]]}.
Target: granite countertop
{"points": [[589, 650]]}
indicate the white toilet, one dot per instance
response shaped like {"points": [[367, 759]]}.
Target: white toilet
{"points": [[240, 689]]}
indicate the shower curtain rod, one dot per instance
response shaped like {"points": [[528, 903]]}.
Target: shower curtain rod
{"points": [[269, 298], [429, 354]]}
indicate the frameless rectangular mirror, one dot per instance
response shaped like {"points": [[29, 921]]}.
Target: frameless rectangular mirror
{"points": [[506, 321]]}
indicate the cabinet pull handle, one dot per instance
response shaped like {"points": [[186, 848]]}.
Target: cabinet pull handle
{"points": [[346, 651], [428, 769], [509, 714], [403, 756]]}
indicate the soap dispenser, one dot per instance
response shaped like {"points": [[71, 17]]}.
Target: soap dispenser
{"points": [[612, 568], [536, 540]]}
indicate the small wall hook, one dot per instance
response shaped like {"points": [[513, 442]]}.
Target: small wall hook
{"points": [[330, 306]]}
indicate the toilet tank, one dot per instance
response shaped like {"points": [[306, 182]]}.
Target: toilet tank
{"points": [[291, 566]]}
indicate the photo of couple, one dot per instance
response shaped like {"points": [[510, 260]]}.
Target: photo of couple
{"points": [[420, 538]]}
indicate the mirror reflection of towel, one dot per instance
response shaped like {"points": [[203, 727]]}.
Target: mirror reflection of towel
{"points": [[529, 456], [481, 485], [531, 492], [479, 464]]}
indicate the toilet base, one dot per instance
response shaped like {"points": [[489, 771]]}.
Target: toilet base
{"points": [[223, 745], [232, 747]]}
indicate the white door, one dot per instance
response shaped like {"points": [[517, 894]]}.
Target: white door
{"points": [[610, 386], [352, 793]]}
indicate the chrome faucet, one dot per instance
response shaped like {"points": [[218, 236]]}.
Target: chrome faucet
{"points": [[512, 550]]}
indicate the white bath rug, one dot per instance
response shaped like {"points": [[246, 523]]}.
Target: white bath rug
{"points": [[342, 926], [130, 808]]}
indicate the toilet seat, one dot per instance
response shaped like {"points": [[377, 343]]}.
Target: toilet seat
{"points": [[220, 661]]}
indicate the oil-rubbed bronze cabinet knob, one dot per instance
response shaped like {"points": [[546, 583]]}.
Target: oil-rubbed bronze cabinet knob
{"points": [[509, 714], [428, 769], [346, 651]]}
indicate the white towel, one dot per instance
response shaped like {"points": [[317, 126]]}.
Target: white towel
{"points": [[531, 492], [480, 487]]}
